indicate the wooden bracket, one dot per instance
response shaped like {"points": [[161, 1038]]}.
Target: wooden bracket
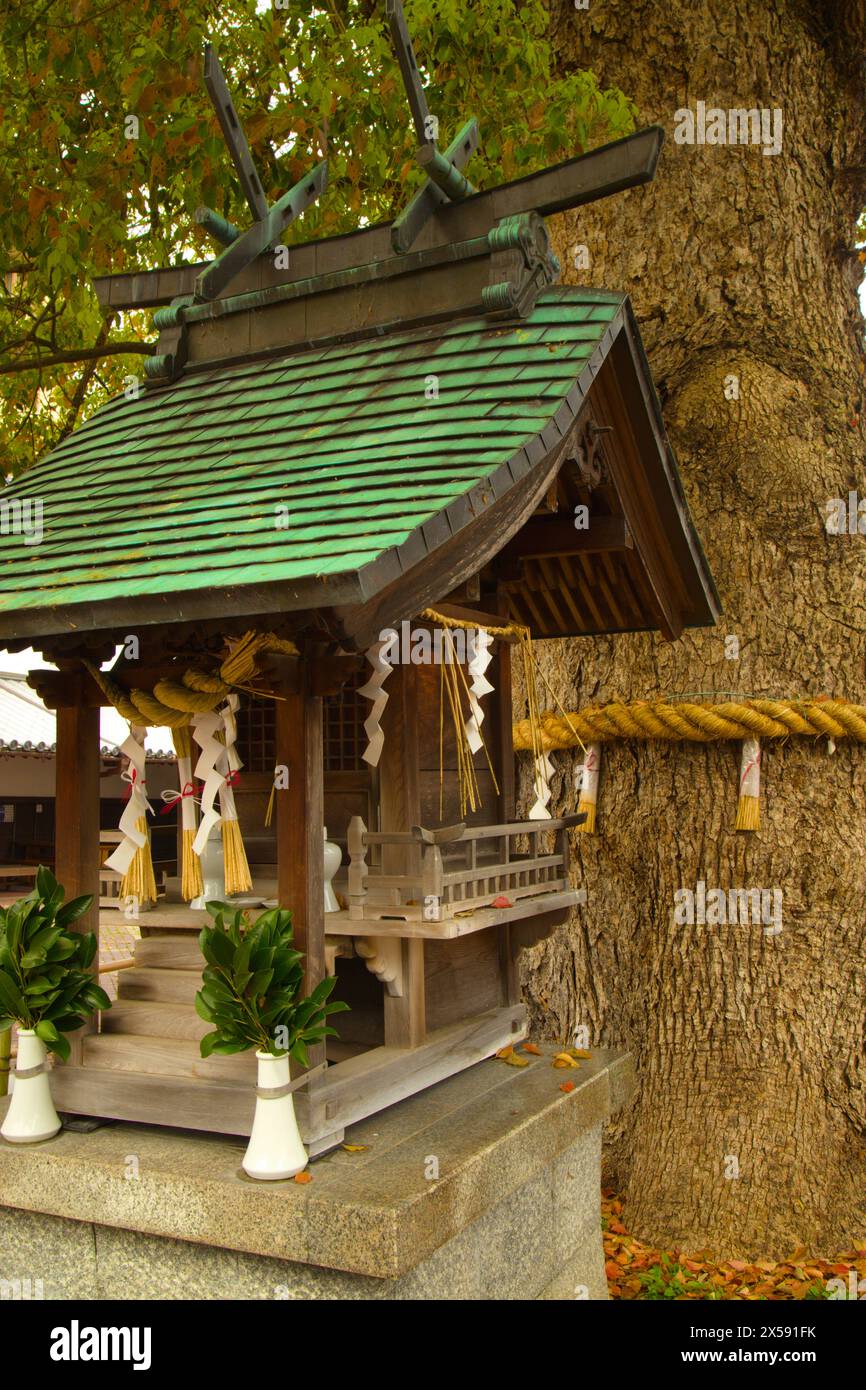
{"points": [[383, 957]]}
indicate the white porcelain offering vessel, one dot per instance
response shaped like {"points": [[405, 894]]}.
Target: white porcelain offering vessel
{"points": [[275, 1149], [333, 860], [31, 1115]]}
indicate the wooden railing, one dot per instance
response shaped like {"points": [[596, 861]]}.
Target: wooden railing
{"points": [[462, 869]]}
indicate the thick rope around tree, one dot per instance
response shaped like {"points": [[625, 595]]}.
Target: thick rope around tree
{"points": [[696, 723]]}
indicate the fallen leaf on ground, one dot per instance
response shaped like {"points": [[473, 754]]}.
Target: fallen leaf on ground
{"points": [[510, 1057], [579, 1052], [303, 1177], [567, 1086], [530, 1047], [514, 1060], [355, 1148], [638, 1271], [562, 1059]]}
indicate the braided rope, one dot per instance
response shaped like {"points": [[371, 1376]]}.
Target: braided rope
{"points": [[696, 723], [173, 703]]}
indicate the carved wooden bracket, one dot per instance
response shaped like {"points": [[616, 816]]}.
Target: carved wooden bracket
{"points": [[589, 455], [383, 956]]}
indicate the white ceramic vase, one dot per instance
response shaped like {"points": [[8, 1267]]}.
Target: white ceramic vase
{"points": [[212, 872], [275, 1149], [333, 860], [31, 1115]]}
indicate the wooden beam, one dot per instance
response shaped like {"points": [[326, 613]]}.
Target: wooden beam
{"points": [[504, 719], [616, 392], [76, 862], [545, 536], [474, 616], [400, 809], [503, 726], [300, 819], [331, 673], [609, 169]]}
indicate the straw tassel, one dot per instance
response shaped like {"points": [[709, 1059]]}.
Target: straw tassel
{"points": [[138, 881], [589, 775], [748, 807], [237, 870], [192, 885]]}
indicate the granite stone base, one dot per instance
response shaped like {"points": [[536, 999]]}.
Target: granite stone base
{"points": [[133, 1212]]}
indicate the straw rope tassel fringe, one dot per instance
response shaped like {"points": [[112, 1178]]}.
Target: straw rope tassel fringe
{"points": [[589, 775], [749, 805], [237, 870], [192, 885], [138, 881]]}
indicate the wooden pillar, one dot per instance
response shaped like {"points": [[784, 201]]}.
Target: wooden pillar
{"points": [[509, 975], [400, 809], [504, 754], [300, 818], [76, 813]]}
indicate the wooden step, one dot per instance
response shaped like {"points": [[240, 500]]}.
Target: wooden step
{"points": [[138, 1054], [160, 986], [169, 953], [154, 1020]]}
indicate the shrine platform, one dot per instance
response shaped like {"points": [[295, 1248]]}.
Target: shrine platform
{"points": [[485, 1186]]}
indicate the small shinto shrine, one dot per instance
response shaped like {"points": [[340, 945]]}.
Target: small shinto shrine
{"points": [[351, 493]]}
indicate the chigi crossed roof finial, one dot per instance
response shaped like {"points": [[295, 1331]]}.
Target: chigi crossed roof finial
{"points": [[378, 277], [445, 183], [242, 248]]}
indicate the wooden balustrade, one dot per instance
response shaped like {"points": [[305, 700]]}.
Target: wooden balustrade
{"points": [[462, 868]]}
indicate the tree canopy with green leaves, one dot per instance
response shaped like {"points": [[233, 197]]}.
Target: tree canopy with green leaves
{"points": [[109, 143]]}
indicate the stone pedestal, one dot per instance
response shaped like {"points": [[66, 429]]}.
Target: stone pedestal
{"points": [[486, 1186]]}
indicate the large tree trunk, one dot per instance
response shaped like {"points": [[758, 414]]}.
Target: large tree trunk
{"points": [[747, 1045]]}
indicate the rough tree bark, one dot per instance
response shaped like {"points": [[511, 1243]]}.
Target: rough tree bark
{"points": [[738, 263]]}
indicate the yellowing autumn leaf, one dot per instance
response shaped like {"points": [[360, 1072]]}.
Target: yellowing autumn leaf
{"points": [[355, 1148], [532, 1049], [513, 1060], [510, 1057], [562, 1059]]}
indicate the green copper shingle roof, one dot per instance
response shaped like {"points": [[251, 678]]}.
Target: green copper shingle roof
{"points": [[184, 488]]}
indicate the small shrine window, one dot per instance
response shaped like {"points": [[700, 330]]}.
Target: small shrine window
{"points": [[343, 723], [343, 731]]}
